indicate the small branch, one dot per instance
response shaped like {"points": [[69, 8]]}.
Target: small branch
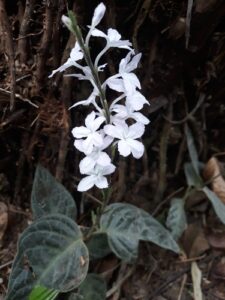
{"points": [[24, 29], [188, 22], [9, 50], [9, 263], [163, 157], [63, 147], [45, 42], [19, 97], [190, 114]]}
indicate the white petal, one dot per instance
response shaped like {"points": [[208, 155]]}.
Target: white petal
{"points": [[97, 32], [137, 148], [109, 169], [124, 62], [89, 120], [97, 139], [87, 165], [98, 14], [97, 123], [86, 183], [132, 65], [136, 131], [83, 102], [113, 35], [116, 84], [121, 111], [136, 101], [140, 118], [113, 131], [76, 53], [121, 44], [79, 145], [103, 159], [101, 67], [66, 65], [124, 148], [88, 145], [106, 142], [80, 132], [131, 82], [101, 182], [66, 21]]}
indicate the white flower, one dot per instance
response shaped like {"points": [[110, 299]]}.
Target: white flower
{"points": [[96, 177], [67, 22], [129, 64], [88, 101], [126, 112], [129, 82], [98, 15], [93, 138], [127, 136], [75, 55], [113, 39], [96, 157], [136, 101]]}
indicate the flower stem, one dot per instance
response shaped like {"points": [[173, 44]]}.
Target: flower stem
{"points": [[77, 32]]}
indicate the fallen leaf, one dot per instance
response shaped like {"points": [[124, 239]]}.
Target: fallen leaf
{"points": [[212, 171], [194, 241], [3, 219], [196, 275], [216, 240]]}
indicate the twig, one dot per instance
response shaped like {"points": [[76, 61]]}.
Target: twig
{"points": [[189, 115], [163, 157], [19, 97], [162, 288], [9, 51], [6, 264], [121, 184], [188, 22], [184, 280], [63, 147], [13, 117], [120, 280], [155, 212], [90, 196]]}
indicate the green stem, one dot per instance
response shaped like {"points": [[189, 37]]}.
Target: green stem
{"points": [[77, 32]]}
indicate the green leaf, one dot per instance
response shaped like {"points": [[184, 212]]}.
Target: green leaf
{"points": [[217, 204], [126, 225], [98, 246], [192, 149], [51, 253], [176, 220], [92, 288], [21, 281], [49, 196], [193, 179], [41, 293]]}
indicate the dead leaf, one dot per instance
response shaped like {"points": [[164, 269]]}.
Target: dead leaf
{"points": [[196, 275], [3, 219], [212, 171], [194, 241], [216, 240]]}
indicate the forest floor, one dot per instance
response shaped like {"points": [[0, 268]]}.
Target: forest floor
{"points": [[182, 72]]}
